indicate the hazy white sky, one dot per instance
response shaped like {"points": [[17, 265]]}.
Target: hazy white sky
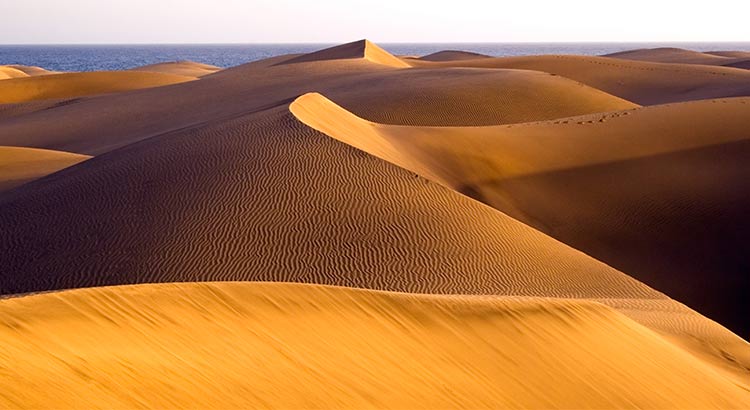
{"points": [[332, 21]]}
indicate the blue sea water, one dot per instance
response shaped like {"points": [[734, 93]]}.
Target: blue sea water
{"points": [[115, 57]]}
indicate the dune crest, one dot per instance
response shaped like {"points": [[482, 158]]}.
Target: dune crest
{"points": [[452, 55], [229, 345], [183, 68], [362, 49], [20, 165]]}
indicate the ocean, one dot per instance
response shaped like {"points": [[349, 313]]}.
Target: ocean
{"points": [[117, 57]]}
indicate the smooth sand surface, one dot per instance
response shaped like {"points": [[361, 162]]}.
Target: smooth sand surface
{"points": [[641, 82], [229, 345], [70, 85], [21, 165], [184, 68], [452, 55], [671, 164], [235, 178], [678, 55]]}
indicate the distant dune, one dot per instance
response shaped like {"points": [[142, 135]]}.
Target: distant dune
{"points": [[232, 345], [452, 55], [183, 68], [641, 82], [21, 165], [362, 49], [7, 72], [80, 84], [670, 55]]}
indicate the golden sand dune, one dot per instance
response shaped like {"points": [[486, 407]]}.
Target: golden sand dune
{"points": [[452, 55], [184, 68], [228, 345], [362, 49], [672, 164], [672, 55], [205, 203], [69, 85], [32, 71], [443, 96], [7, 72], [641, 82], [21, 165]]}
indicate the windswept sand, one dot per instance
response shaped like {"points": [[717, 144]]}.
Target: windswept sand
{"points": [[452, 55], [7, 72], [641, 82], [229, 345], [672, 164], [681, 56], [234, 177], [21, 165], [183, 68], [70, 85]]}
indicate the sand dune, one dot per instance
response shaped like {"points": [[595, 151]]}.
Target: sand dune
{"points": [[7, 72], [21, 165], [672, 164], [362, 49], [183, 68], [80, 84], [32, 71], [228, 345], [452, 55], [443, 96], [641, 82], [672, 55]]}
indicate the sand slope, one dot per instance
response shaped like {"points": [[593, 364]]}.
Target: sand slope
{"points": [[641, 82], [226, 345], [183, 68], [671, 164], [21, 165], [452, 55], [671, 55], [362, 49], [7, 72], [80, 84]]}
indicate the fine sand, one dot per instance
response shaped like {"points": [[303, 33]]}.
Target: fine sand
{"points": [[232, 345], [21, 165], [539, 189], [678, 55], [70, 85], [183, 68]]}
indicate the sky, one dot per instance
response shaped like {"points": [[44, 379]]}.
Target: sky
{"points": [[384, 21]]}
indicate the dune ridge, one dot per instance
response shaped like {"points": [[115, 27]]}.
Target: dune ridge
{"points": [[20, 165], [70, 85], [220, 345], [452, 55], [183, 68], [362, 49], [505, 168]]}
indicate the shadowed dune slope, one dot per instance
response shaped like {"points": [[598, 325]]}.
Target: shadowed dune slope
{"points": [[229, 345], [21, 165], [362, 49], [675, 166], [443, 96], [69, 85], [641, 82], [205, 204], [183, 68], [452, 55]]}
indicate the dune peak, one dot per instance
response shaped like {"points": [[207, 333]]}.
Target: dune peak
{"points": [[361, 49]]}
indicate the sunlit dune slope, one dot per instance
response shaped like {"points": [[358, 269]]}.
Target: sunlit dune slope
{"points": [[227, 345], [184, 68], [675, 167], [452, 55], [7, 72], [641, 82], [69, 85], [206, 203], [362, 49], [21, 165], [32, 71]]}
